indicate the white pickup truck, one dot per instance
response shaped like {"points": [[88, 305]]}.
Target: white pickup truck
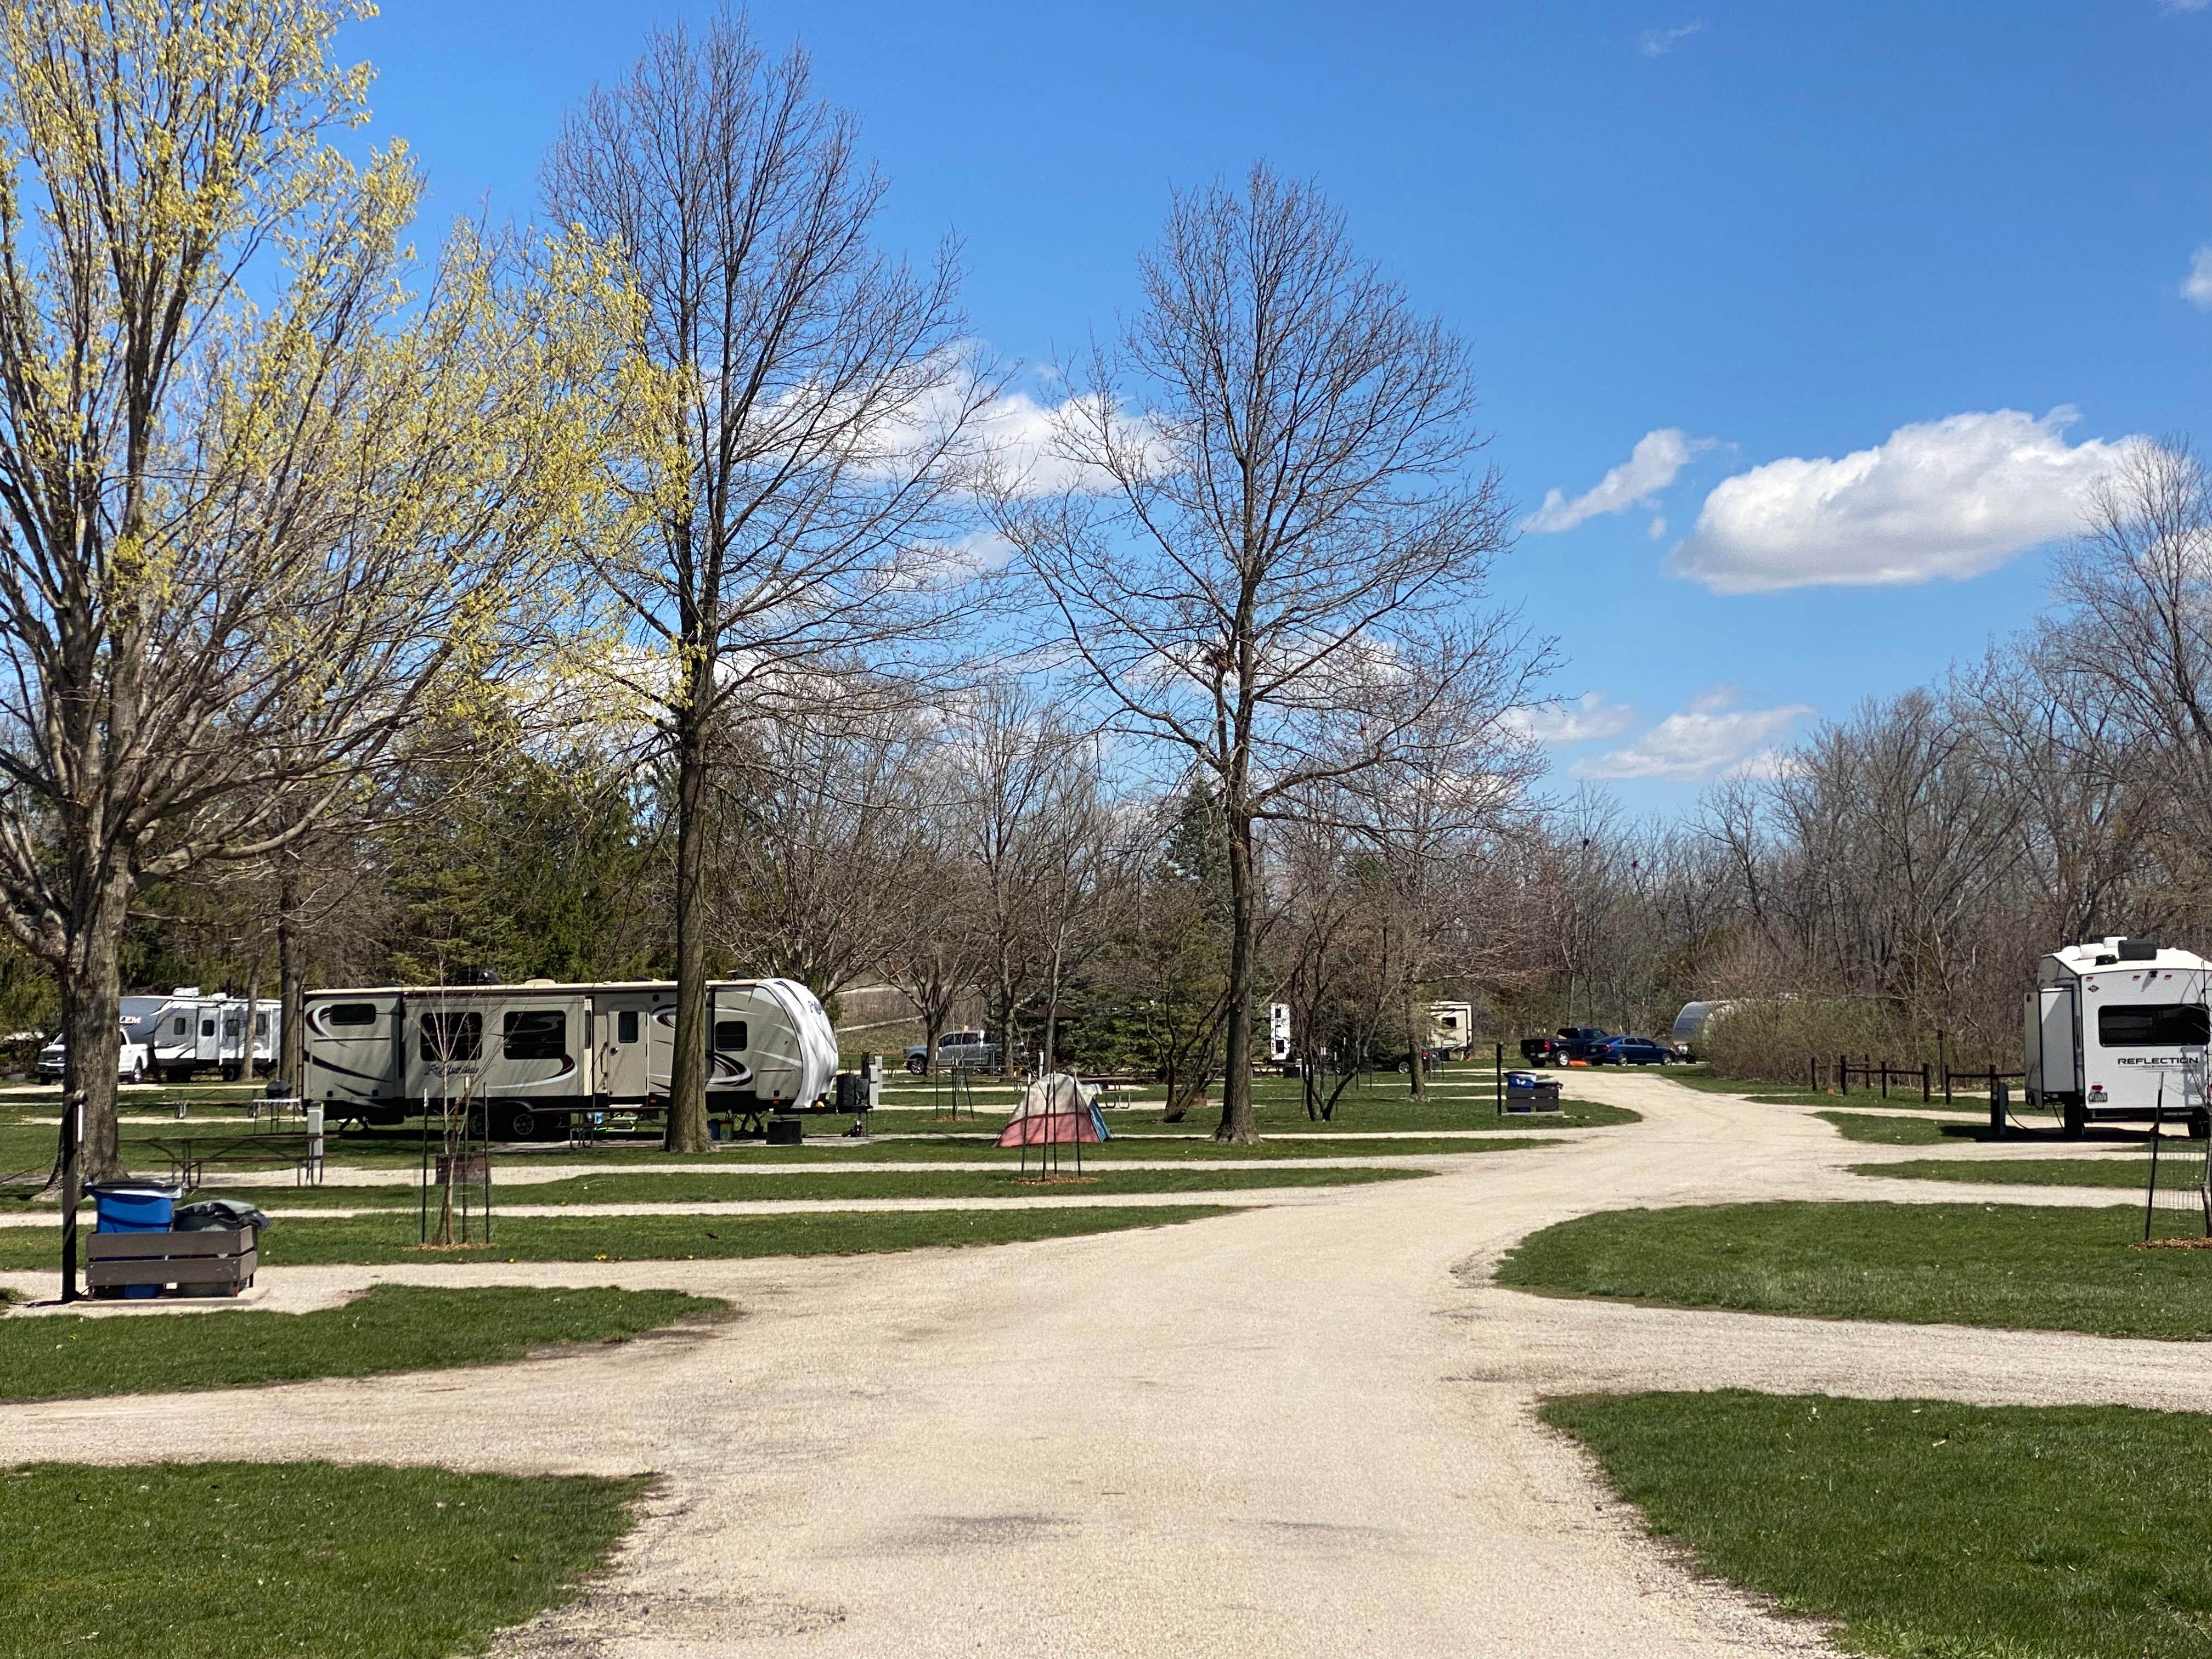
{"points": [[134, 1060]]}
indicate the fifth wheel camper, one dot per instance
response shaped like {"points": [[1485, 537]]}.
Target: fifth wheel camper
{"points": [[2116, 1032], [532, 1054]]}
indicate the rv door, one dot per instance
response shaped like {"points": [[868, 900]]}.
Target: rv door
{"points": [[2054, 1043]]}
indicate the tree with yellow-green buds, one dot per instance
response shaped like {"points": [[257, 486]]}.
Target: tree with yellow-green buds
{"points": [[275, 498]]}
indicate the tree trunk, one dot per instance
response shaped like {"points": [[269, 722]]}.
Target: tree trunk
{"points": [[1416, 1042], [685, 1126], [1237, 1126], [291, 988], [92, 998]]}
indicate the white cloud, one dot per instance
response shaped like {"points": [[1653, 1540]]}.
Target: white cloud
{"points": [[1706, 739], [1584, 720], [2196, 287], [1658, 528], [1657, 43], [1658, 457], [1954, 498], [2183, 5]]}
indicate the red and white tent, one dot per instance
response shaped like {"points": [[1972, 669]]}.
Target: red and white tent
{"points": [[1055, 1110]]}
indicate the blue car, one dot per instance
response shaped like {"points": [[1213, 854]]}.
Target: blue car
{"points": [[1631, 1051]]}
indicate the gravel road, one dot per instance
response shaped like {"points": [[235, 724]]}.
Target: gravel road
{"points": [[1302, 1430]]}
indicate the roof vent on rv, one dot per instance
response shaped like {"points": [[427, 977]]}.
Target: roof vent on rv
{"points": [[2138, 950], [533, 984], [186, 991]]}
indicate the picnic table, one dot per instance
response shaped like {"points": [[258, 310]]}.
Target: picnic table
{"points": [[190, 1156]]}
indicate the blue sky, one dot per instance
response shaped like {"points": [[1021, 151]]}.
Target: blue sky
{"points": [[1772, 234]]}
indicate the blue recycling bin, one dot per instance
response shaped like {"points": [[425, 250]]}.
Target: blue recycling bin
{"points": [[134, 1206]]}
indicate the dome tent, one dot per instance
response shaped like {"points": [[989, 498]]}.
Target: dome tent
{"points": [[1056, 1110]]}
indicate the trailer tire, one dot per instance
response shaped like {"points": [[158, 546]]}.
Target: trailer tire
{"points": [[515, 1123], [2076, 1120]]}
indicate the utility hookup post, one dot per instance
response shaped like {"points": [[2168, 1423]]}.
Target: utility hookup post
{"points": [[1999, 1102], [72, 1188]]}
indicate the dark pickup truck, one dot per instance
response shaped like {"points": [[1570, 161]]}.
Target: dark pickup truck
{"points": [[1568, 1043]]}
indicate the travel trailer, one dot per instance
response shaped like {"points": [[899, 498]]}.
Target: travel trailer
{"points": [[175, 1035], [2114, 1031], [530, 1055], [1451, 1029]]}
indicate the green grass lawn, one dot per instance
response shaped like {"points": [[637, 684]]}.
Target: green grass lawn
{"points": [[386, 1238], [2019, 1266], [719, 1185], [1777, 1094], [183, 1560], [388, 1327], [2122, 1172], [1901, 1131], [1932, 1530]]}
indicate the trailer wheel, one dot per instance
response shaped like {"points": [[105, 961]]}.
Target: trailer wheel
{"points": [[517, 1123], [2077, 1120]]}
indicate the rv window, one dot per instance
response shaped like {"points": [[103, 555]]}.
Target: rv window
{"points": [[261, 1025], [2153, 1026], [537, 1033], [347, 1013], [448, 1036], [626, 1025], [233, 1025], [177, 1026], [730, 1035], [206, 1028]]}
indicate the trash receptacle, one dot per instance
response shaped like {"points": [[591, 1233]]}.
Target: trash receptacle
{"points": [[134, 1206]]}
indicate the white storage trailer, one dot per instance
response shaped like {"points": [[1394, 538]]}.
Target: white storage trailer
{"points": [[2116, 1032], [535, 1053]]}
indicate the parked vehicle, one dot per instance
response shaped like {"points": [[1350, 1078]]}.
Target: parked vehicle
{"points": [[187, 1031], [1692, 1024], [972, 1049], [1631, 1051], [1451, 1029], [529, 1056], [133, 1062], [2117, 1032], [1568, 1043]]}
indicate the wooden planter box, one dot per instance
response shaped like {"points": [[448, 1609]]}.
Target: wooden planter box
{"points": [[222, 1263]]}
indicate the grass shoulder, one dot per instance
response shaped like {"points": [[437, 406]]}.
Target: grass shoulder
{"points": [[2123, 1173], [1927, 1527], [2015, 1266], [175, 1561], [389, 1237], [388, 1327]]}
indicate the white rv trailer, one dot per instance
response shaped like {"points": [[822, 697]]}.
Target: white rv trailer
{"points": [[187, 1030], [2116, 1032], [535, 1052], [1451, 1029]]}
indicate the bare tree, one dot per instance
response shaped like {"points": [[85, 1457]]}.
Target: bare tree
{"points": [[251, 536], [1274, 503], [813, 428], [810, 841]]}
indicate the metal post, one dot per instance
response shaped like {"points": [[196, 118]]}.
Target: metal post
{"points": [[1998, 1104], [1943, 1064], [1498, 1077], [72, 1134], [1843, 1076], [1924, 1095], [2150, 1193]]}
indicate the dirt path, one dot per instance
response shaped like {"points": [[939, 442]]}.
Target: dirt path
{"points": [[1304, 1429]]}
